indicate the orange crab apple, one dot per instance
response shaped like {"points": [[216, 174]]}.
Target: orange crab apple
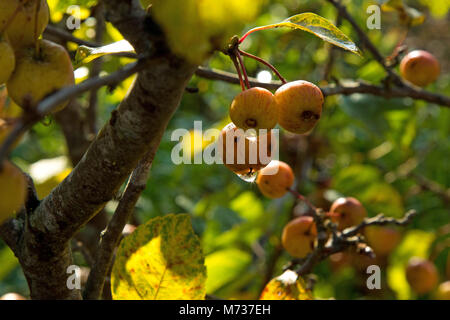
{"points": [[275, 180], [299, 105], [347, 212], [298, 236], [420, 68], [254, 109]]}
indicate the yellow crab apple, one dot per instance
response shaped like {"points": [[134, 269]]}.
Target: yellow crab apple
{"points": [[275, 180], [13, 189], [244, 154], [12, 296], [422, 275], [38, 76], [382, 240], [19, 16], [299, 105], [347, 212], [7, 60], [443, 291], [298, 236], [254, 109]]}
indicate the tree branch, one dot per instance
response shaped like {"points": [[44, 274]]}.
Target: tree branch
{"points": [[96, 68], [340, 241], [366, 41], [135, 128], [47, 105], [344, 88], [113, 232]]}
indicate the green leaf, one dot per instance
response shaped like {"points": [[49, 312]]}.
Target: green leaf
{"points": [[365, 183], [86, 54], [9, 262], [288, 286], [161, 260], [63, 4], [317, 25], [225, 266]]}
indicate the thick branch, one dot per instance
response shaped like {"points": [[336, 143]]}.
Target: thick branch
{"points": [[134, 129]]}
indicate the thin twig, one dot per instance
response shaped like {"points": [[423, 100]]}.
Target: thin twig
{"points": [[36, 24], [341, 241], [366, 41], [96, 68], [67, 36], [380, 220], [47, 105], [303, 198], [238, 70], [244, 71], [344, 88], [79, 246], [332, 50], [270, 66], [111, 236]]}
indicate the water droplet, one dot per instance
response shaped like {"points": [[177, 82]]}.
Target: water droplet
{"points": [[248, 177]]}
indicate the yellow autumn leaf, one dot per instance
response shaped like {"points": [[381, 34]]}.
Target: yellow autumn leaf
{"points": [[161, 260], [288, 286], [318, 26]]}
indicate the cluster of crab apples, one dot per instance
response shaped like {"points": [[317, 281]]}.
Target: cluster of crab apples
{"points": [[297, 107], [32, 69], [247, 143]]}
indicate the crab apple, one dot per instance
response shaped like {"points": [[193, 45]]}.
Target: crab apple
{"points": [[22, 29], [382, 240], [420, 68], [447, 268], [347, 212], [361, 261], [340, 260], [7, 60], [12, 296], [298, 236], [244, 154], [8, 108], [422, 275], [254, 108], [13, 189], [443, 291], [36, 77], [275, 180], [299, 105], [5, 129]]}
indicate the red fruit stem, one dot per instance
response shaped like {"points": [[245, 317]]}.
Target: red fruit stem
{"points": [[395, 52], [253, 30], [302, 198], [241, 62], [238, 69], [261, 60]]}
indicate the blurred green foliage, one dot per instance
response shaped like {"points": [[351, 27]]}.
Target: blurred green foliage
{"points": [[362, 143]]}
